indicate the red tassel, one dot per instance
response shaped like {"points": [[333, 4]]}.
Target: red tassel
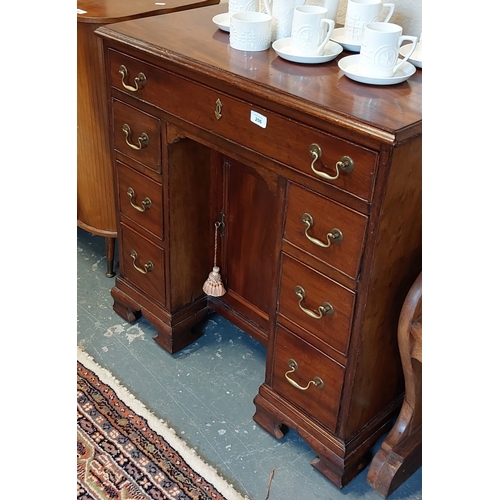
{"points": [[213, 285]]}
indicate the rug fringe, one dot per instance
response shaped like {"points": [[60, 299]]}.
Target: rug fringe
{"points": [[162, 428]]}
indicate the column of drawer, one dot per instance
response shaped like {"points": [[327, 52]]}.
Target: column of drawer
{"points": [[137, 136], [315, 312]]}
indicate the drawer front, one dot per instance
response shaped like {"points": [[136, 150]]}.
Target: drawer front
{"points": [[143, 264], [325, 229], [140, 199], [282, 139], [137, 135], [318, 295], [296, 363], [276, 137], [138, 79]]}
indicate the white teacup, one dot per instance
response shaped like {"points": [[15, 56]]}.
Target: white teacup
{"points": [[360, 13], [250, 31], [243, 6], [380, 49], [311, 30]]}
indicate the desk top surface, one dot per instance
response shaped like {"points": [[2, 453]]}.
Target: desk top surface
{"points": [[191, 40]]}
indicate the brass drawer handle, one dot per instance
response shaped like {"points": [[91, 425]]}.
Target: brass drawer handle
{"points": [[148, 267], [218, 109], [139, 80], [345, 164], [324, 309], [334, 235], [143, 138], [145, 204], [294, 367]]}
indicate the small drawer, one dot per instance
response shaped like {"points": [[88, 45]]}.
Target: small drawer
{"points": [[143, 263], [137, 78], [306, 377], [329, 231], [137, 135], [140, 199], [316, 303]]}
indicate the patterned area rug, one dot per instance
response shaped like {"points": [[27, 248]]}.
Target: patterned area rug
{"points": [[124, 452]]}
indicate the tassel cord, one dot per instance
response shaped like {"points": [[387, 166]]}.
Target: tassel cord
{"points": [[217, 224]]}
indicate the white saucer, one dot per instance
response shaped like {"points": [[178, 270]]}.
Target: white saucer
{"points": [[350, 66], [284, 49], [222, 21], [338, 35], [416, 57]]}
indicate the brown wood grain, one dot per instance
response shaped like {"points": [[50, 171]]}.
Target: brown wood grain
{"points": [[401, 452], [393, 260], [95, 199], [139, 123], [96, 211], [261, 179], [110, 11], [151, 219], [188, 227], [312, 93], [152, 283], [248, 248], [326, 215], [333, 329], [321, 403]]}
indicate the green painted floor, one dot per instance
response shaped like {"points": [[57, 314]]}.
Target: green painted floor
{"points": [[205, 393]]}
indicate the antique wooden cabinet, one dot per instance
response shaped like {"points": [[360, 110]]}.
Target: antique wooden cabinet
{"points": [[316, 183], [95, 198]]}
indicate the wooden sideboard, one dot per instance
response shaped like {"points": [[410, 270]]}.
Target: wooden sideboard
{"points": [[95, 199], [316, 183]]}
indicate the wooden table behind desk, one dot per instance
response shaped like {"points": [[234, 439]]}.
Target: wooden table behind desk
{"points": [[96, 207]]}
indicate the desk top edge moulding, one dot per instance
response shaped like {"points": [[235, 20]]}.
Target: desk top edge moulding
{"points": [[318, 208]]}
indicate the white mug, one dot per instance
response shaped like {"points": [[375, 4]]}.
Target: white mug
{"points": [[380, 49], [311, 30], [243, 6], [360, 13], [250, 31]]}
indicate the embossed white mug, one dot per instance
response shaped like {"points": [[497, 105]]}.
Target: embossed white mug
{"points": [[360, 13], [250, 31], [311, 30], [379, 54], [243, 6]]}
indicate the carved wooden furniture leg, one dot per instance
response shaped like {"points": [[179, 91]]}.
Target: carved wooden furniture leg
{"points": [[401, 452], [110, 256]]}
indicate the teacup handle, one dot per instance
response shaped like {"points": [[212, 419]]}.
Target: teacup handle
{"points": [[331, 25], [414, 41], [389, 14]]}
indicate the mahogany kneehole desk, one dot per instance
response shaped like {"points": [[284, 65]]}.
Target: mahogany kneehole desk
{"points": [[316, 181]]}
